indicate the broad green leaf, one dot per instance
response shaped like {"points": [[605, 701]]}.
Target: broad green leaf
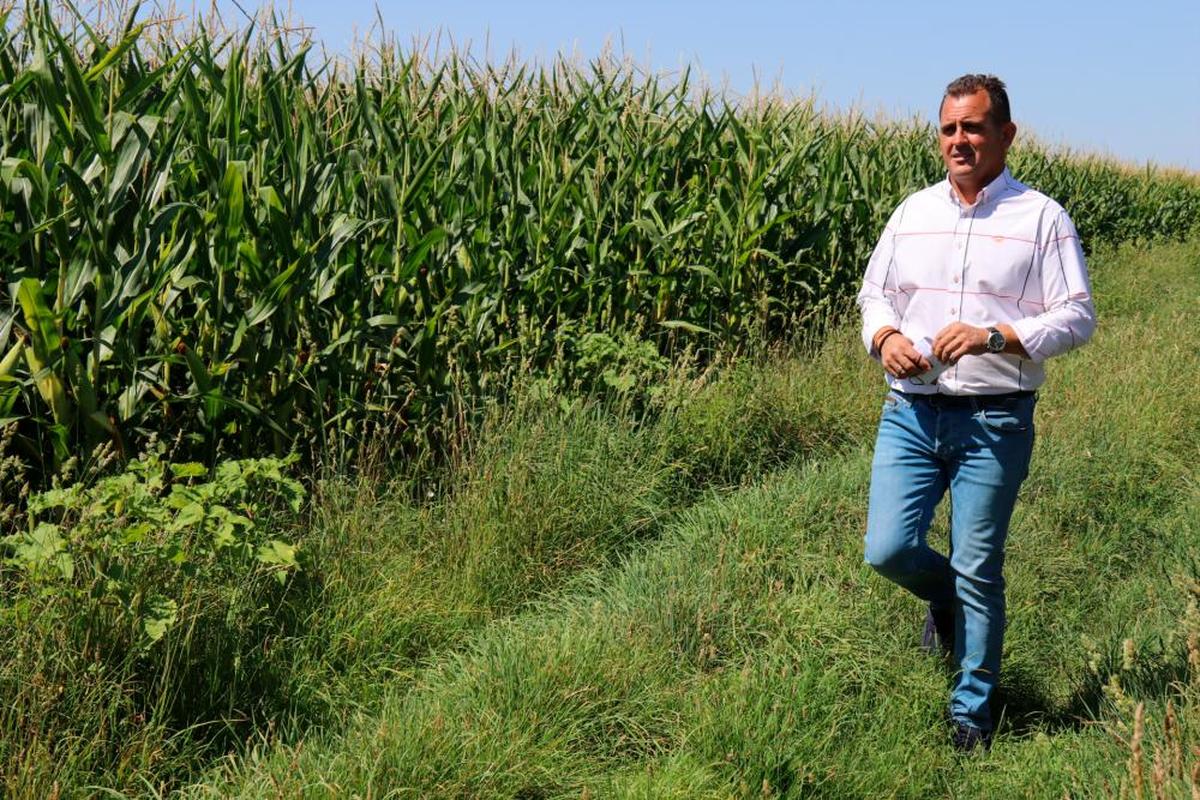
{"points": [[159, 614], [279, 556], [115, 53], [682, 324], [9, 361], [42, 549], [189, 516], [189, 470], [41, 355]]}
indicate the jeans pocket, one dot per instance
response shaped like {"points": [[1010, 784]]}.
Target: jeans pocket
{"points": [[893, 401], [1014, 417]]}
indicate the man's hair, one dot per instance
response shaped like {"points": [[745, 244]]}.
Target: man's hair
{"points": [[970, 84]]}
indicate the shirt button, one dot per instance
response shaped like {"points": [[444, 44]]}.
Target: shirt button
{"points": [[956, 279]]}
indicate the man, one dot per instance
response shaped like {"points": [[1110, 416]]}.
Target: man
{"points": [[983, 277]]}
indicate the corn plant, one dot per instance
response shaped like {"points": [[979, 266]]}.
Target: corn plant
{"points": [[219, 233]]}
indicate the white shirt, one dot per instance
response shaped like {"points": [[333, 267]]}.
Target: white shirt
{"points": [[1013, 257]]}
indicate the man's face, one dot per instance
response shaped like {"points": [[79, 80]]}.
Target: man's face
{"points": [[973, 146]]}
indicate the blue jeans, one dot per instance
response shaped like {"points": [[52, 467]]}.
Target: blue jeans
{"points": [[980, 452]]}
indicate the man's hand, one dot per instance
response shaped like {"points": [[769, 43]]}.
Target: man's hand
{"points": [[959, 339], [900, 358]]}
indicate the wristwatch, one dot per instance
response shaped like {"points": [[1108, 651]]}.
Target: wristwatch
{"points": [[995, 341]]}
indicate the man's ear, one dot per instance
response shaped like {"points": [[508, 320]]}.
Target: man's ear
{"points": [[1009, 131]]}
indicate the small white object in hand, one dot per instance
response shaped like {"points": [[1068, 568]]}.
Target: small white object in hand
{"points": [[930, 376]]}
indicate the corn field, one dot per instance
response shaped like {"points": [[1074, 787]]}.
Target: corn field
{"points": [[222, 237]]}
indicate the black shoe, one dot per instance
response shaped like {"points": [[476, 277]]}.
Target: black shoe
{"points": [[967, 737], [939, 632]]}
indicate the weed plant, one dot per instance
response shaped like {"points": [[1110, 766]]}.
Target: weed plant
{"points": [[138, 612]]}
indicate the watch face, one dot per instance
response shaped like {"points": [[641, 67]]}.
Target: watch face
{"points": [[995, 341]]}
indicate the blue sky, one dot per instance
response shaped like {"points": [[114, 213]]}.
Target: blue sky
{"points": [[1121, 79]]}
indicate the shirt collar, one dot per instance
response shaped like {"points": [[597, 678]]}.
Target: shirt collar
{"points": [[988, 193]]}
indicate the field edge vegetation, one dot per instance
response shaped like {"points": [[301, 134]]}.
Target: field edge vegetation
{"points": [[556, 504]]}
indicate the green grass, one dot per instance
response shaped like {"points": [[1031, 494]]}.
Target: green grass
{"points": [[747, 650]]}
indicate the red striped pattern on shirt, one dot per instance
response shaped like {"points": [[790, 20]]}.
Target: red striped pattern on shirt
{"points": [[975, 235]]}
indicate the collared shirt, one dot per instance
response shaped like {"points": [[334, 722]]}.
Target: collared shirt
{"points": [[1012, 257]]}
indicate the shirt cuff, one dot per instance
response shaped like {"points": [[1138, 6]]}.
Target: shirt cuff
{"points": [[1030, 335]]}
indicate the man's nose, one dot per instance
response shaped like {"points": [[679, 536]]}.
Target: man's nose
{"points": [[959, 136]]}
